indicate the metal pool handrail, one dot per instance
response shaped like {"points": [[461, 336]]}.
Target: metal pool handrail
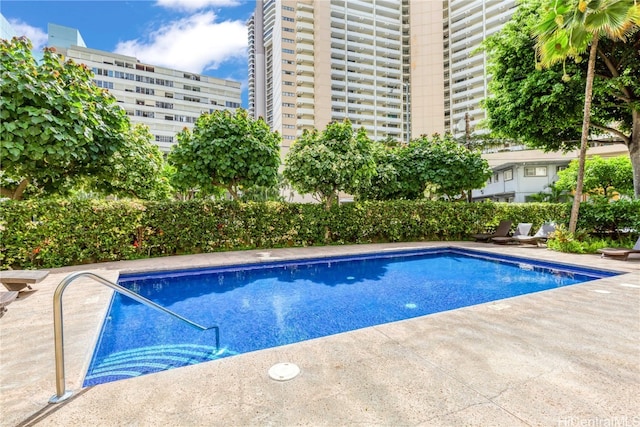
{"points": [[58, 330]]}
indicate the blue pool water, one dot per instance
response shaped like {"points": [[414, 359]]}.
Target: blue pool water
{"points": [[259, 306]]}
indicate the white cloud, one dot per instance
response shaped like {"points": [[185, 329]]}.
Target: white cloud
{"points": [[194, 4], [195, 43], [37, 36]]}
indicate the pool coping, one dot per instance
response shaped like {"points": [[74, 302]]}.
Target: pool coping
{"points": [[344, 377]]}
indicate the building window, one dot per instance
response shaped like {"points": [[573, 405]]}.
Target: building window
{"points": [[148, 114], [289, 8], [286, 83], [288, 62], [286, 18], [167, 105], [291, 137], [289, 116], [104, 85], [164, 138], [290, 51], [191, 76], [285, 40], [145, 90], [288, 104], [289, 126], [560, 168], [288, 73], [288, 30], [496, 177], [288, 94], [508, 174], [191, 98], [231, 104], [535, 171]]}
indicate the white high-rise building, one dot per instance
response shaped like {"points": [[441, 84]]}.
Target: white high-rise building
{"points": [[377, 62], [466, 24], [164, 99], [400, 68]]}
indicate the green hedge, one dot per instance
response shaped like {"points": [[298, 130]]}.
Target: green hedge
{"points": [[54, 233]]}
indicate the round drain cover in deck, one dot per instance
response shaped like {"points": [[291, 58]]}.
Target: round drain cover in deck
{"points": [[284, 371]]}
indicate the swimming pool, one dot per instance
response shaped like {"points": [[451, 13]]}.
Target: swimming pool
{"points": [[266, 305]]}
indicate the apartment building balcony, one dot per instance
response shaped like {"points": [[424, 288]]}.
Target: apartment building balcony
{"points": [[304, 123], [465, 104], [305, 80], [304, 111], [304, 16], [303, 68], [304, 37], [304, 27], [467, 22], [304, 58], [305, 92]]}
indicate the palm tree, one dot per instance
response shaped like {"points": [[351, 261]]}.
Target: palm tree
{"points": [[566, 30]]}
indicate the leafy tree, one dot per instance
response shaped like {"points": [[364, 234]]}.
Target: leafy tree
{"points": [[554, 195], [328, 162], [545, 110], [55, 124], [438, 164], [527, 103], [568, 28], [226, 150], [601, 176], [137, 170], [393, 177], [448, 166]]}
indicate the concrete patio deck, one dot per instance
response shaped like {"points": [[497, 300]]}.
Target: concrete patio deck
{"points": [[563, 357]]}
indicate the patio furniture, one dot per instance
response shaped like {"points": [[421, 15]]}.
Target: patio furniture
{"points": [[522, 229], [6, 298], [501, 231], [621, 253], [18, 280], [541, 235]]}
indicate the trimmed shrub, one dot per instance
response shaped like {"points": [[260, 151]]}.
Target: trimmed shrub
{"points": [[54, 233]]}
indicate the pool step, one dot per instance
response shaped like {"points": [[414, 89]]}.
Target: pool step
{"points": [[150, 359]]}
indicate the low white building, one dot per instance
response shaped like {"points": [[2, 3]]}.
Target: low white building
{"points": [[164, 99], [519, 174]]}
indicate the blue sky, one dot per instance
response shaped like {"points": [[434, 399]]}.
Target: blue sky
{"points": [[202, 36]]}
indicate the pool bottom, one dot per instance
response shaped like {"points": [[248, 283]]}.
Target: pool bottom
{"points": [[266, 305]]}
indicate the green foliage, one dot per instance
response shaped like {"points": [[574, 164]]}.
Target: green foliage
{"points": [[137, 170], [601, 176], [604, 217], [554, 195], [53, 233], [228, 151], [529, 104], [583, 243], [55, 124], [325, 163], [440, 164], [449, 167], [544, 107]]}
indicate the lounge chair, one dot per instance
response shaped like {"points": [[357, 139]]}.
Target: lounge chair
{"points": [[621, 253], [501, 231], [541, 235], [6, 298], [522, 229], [17, 280]]}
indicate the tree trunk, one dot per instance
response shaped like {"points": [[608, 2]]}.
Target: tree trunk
{"points": [[17, 193], [634, 151], [584, 141]]}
